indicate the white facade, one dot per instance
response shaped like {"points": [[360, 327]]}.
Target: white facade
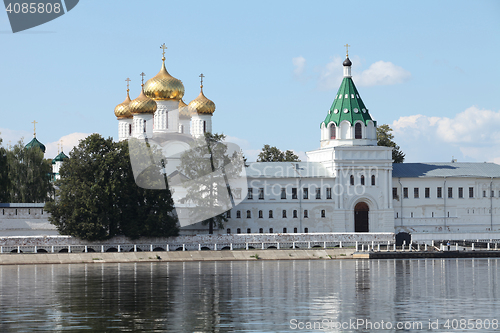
{"points": [[166, 117]]}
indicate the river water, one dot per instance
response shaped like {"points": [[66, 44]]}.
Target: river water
{"points": [[255, 296]]}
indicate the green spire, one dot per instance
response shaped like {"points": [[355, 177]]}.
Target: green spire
{"points": [[62, 156], [347, 104]]}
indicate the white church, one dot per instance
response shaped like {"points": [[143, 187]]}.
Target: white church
{"points": [[349, 184]]}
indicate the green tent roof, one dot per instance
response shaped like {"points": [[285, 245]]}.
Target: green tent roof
{"points": [[35, 143], [60, 157], [347, 105]]}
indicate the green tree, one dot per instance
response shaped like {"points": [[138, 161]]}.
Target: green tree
{"points": [[273, 154], [29, 175], [208, 167], [4, 174], [98, 197], [384, 138]]}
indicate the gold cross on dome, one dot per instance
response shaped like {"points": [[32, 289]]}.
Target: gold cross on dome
{"points": [[143, 75], [61, 145], [34, 122], [202, 76], [58, 148], [164, 47], [128, 81], [347, 50]]}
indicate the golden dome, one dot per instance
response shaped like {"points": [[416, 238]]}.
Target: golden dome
{"points": [[142, 104], [123, 110], [185, 112], [164, 86], [201, 104]]}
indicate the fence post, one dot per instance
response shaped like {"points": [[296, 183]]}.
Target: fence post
{"points": [[394, 247], [135, 247], [456, 246], [52, 249], [183, 247], [151, 247], [18, 249], [69, 248], [340, 244], [293, 245], [472, 246], [488, 246], [1, 249], [378, 247], [324, 245], [262, 246], [168, 248], [102, 248], [356, 246], [35, 249], [231, 246], [118, 248], [215, 247]]}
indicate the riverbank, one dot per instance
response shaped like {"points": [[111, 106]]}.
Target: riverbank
{"points": [[162, 256]]}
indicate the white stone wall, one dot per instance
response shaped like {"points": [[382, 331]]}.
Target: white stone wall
{"points": [[138, 125], [166, 117], [124, 128], [478, 214], [197, 124]]}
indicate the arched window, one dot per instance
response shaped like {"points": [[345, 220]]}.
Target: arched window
{"points": [[295, 214], [238, 214], [352, 180], [238, 231], [228, 230], [294, 230], [261, 230], [249, 214], [373, 180], [284, 214], [270, 214], [362, 180], [333, 129], [129, 129], [357, 131], [204, 126], [182, 128], [249, 231], [270, 230], [144, 126], [284, 230], [260, 214]]}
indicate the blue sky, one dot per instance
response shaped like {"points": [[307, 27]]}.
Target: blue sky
{"points": [[427, 68]]}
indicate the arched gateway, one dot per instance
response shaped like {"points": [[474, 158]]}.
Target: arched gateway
{"points": [[361, 217]]}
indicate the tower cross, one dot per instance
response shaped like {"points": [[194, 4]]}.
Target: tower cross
{"points": [[201, 78], [164, 47], [34, 122], [143, 75], [128, 81], [61, 145], [347, 50]]}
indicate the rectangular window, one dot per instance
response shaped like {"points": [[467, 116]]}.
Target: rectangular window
{"points": [[295, 214], [294, 230], [228, 214], [284, 214], [305, 193], [328, 192], [238, 214], [427, 192], [249, 231], [450, 192], [471, 192], [492, 193], [460, 192], [294, 193], [484, 194], [394, 193], [250, 194], [439, 192], [405, 192], [318, 193], [306, 214], [284, 230], [415, 192], [306, 230], [261, 193], [283, 193], [323, 213]]}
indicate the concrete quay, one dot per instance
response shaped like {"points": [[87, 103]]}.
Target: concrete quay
{"points": [[171, 256]]}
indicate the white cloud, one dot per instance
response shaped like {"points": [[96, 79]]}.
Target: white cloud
{"points": [[382, 73], [68, 141], [379, 73], [299, 64], [474, 132]]}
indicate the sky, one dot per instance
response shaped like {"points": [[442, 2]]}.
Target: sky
{"points": [[429, 69]]}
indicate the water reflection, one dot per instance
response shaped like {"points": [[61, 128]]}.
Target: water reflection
{"points": [[253, 296]]}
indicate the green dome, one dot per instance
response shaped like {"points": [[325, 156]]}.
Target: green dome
{"points": [[35, 143], [62, 156]]}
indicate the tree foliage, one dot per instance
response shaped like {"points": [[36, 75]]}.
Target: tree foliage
{"points": [[208, 166], [385, 138], [98, 198], [273, 154], [25, 176]]}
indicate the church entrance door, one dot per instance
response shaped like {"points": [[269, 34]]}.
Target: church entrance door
{"points": [[361, 217]]}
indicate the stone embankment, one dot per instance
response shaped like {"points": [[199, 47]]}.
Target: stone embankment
{"points": [[125, 257]]}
